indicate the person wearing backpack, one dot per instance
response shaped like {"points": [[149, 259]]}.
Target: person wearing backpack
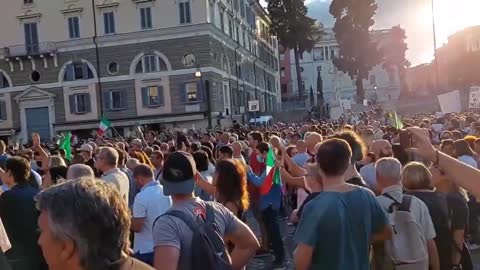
{"points": [[192, 233], [412, 246]]}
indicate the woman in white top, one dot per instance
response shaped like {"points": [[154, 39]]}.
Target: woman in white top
{"points": [[465, 153]]}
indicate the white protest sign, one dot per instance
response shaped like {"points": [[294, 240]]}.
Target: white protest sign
{"points": [[253, 106], [450, 102], [474, 101]]}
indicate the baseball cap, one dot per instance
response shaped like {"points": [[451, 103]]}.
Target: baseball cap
{"points": [[86, 148], [178, 176]]}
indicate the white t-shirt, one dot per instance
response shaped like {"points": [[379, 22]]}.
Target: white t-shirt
{"points": [[120, 180], [149, 203]]}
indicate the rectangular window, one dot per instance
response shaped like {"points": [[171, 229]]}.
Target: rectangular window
{"points": [[243, 37], [230, 27], [184, 9], [117, 100], [191, 92], [109, 22], [284, 88], [146, 18], [31, 37], [152, 96], [73, 27], [222, 20], [332, 52], [373, 79], [27, 2], [235, 5], [242, 8], [237, 33], [282, 72], [316, 53], [80, 103], [212, 13]]}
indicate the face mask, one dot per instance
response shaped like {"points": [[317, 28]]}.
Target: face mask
{"points": [[260, 158]]}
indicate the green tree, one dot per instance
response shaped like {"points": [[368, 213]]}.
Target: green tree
{"points": [[358, 53], [394, 55], [294, 29]]}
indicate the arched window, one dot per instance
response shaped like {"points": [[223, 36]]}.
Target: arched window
{"points": [[150, 63], [3, 81], [77, 71]]}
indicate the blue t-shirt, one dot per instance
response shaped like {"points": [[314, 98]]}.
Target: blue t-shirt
{"points": [[339, 226]]}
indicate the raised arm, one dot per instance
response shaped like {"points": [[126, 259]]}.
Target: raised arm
{"points": [[293, 168], [462, 174]]}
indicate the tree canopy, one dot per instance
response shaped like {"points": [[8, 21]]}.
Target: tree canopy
{"points": [[358, 54]]}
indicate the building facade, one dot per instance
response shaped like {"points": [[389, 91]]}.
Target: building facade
{"points": [[322, 79], [65, 64]]}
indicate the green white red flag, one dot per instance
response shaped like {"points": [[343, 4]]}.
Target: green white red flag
{"points": [[103, 126], [272, 173]]}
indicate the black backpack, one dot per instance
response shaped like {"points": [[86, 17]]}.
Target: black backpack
{"points": [[208, 248]]}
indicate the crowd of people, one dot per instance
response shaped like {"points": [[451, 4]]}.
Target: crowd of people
{"points": [[358, 196]]}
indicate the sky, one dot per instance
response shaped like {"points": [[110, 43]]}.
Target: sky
{"points": [[415, 16]]}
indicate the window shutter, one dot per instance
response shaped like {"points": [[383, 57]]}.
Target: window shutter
{"points": [[3, 110], [71, 99], [200, 95], [183, 93], [161, 100], [88, 104], [69, 73], [123, 98], [106, 100], [145, 97]]}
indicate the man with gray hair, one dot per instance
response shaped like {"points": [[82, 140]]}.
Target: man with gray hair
{"points": [[75, 235], [106, 162], [79, 170], [388, 175]]}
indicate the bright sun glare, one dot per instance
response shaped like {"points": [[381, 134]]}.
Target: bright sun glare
{"points": [[450, 17]]}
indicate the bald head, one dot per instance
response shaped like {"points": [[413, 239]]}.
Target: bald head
{"points": [[382, 148], [79, 171], [132, 163]]}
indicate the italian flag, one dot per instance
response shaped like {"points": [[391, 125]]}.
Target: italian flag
{"points": [[273, 174], [104, 125]]}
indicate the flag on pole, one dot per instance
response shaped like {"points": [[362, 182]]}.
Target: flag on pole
{"points": [[273, 174], [65, 144], [103, 126], [396, 122]]}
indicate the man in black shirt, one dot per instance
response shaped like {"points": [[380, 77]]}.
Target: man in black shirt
{"points": [[19, 215]]}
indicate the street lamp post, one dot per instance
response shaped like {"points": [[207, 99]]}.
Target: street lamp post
{"points": [[199, 75], [435, 60]]}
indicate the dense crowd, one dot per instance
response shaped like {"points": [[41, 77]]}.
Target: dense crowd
{"points": [[363, 192]]}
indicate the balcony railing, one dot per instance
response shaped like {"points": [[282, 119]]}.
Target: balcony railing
{"points": [[30, 49]]}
